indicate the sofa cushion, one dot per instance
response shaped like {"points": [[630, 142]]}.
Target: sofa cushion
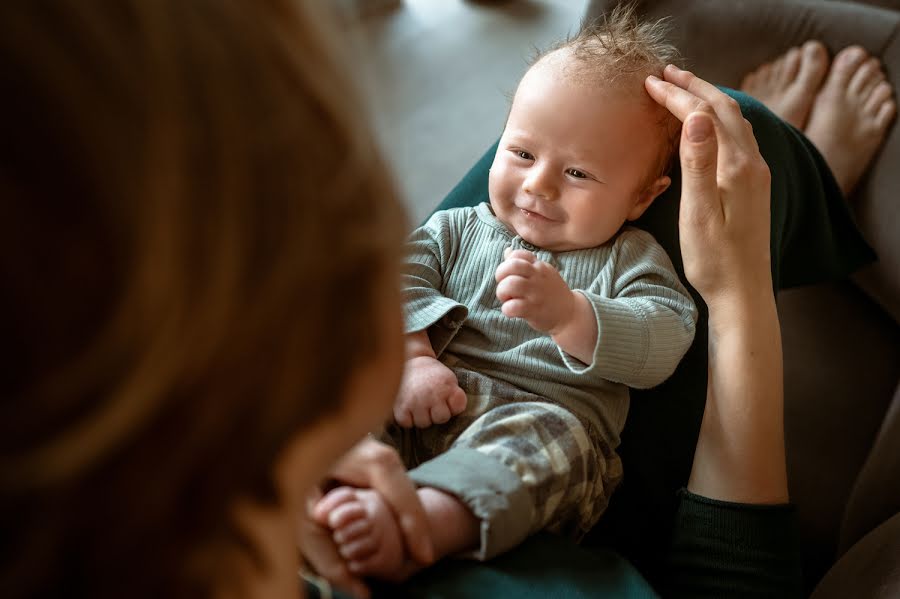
{"points": [[721, 40], [876, 495]]}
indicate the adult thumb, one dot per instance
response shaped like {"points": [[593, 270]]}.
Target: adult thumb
{"points": [[699, 185]]}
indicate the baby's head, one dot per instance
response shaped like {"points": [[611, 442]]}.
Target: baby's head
{"points": [[585, 148]]}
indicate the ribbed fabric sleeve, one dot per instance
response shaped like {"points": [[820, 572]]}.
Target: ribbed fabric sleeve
{"points": [[723, 549], [647, 323], [645, 317]]}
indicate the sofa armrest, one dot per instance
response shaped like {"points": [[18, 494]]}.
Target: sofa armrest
{"points": [[870, 568]]}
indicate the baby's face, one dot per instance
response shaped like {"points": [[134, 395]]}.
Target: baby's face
{"points": [[574, 162]]}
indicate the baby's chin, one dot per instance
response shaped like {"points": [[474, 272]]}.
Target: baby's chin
{"points": [[552, 244]]}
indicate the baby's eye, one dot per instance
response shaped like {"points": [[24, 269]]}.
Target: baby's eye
{"points": [[524, 155], [577, 173]]}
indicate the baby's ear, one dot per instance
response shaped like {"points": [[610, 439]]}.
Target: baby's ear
{"points": [[646, 197]]}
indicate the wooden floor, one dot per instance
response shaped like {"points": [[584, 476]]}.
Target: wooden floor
{"points": [[439, 74]]}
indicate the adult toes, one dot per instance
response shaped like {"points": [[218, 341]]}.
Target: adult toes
{"points": [[790, 64], [814, 63], [846, 63], [886, 114], [880, 93], [867, 76]]}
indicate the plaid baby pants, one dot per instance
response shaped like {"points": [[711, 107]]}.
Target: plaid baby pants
{"points": [[520, 462]]}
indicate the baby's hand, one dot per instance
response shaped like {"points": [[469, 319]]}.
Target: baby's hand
{"points": [[429, 394], [532, 289]]}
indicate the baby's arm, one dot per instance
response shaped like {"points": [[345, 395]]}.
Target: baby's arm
{"points": [[534, 291], [429, 392]]}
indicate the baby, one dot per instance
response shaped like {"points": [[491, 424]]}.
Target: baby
{"points": [[530, 317]]}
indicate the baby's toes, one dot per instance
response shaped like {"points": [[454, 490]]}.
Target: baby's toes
{"points": [[332, 500], [358, 549], [352, 531], [345, 514]]}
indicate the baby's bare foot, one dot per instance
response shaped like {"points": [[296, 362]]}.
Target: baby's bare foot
{"points": [[365, 532], [851, 114], [788, 85]]}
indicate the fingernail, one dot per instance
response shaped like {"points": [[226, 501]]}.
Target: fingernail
{"points": [[698, 128], [653, 79]]}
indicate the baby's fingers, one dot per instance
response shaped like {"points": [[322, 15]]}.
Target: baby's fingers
{"points": [[515, 308], [511, 287], [510, 253]]}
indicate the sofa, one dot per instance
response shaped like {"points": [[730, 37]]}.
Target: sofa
{"points": [[841, 350], [841, 339]]}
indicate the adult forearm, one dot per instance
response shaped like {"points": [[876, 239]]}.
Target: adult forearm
{"points": [[740, 453]]}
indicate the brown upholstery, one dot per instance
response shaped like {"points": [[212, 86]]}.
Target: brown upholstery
{"points": [[841, 340]]}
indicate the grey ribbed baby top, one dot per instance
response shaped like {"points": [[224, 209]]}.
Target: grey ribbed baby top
{"points": [[645, 317]]}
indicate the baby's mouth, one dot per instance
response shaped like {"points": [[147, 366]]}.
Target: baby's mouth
{"points": [[531, 214]]}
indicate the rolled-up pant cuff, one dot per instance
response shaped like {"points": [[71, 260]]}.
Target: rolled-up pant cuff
{"points": [[492, 491]]}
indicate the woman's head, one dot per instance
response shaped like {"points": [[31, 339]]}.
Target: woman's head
{"points": [[199, 246]]}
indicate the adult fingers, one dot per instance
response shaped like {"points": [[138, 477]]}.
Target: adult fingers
{"points": [[373, 464], [676, 100], [726, 108], [699, 186]]}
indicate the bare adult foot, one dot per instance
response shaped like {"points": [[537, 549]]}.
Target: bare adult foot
{"points": [[788, 85], [365, 531], [851, 114]]}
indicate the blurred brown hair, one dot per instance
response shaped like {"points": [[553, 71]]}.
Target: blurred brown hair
{"points": [[194, 224]]}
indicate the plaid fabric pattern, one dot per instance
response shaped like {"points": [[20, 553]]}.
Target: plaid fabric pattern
{"points": [[562, 461]]}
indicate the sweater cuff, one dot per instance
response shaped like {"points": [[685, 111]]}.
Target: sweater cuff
{"points": [[442, 317], [622, 341], [491, 490]]}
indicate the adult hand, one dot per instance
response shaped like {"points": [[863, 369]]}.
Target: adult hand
{"points": [[374, 465], [724, 217], [724, 224]]}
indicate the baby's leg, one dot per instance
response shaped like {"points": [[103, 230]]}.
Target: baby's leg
{"points": [[522, 467], [369, 538]]}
